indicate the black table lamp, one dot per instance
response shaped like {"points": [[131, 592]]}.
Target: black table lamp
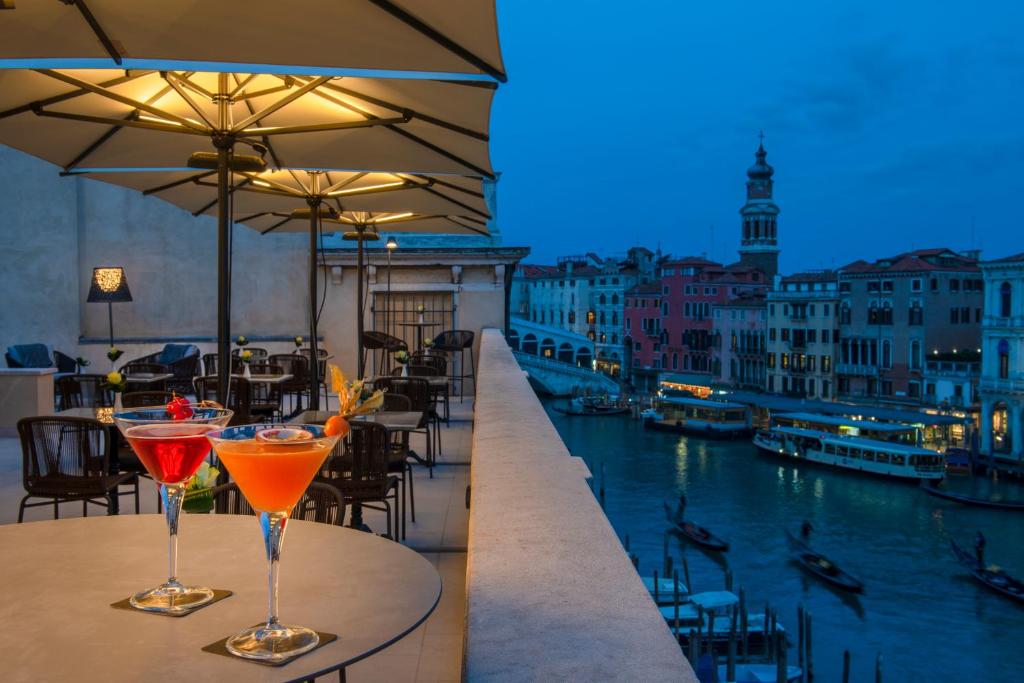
{"points": [[109, 285]]}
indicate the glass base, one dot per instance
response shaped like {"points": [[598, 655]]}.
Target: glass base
{"points": [[172, 598], [273, 642]]}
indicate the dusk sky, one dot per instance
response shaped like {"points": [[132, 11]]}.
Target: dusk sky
{"points": [[891, 126]]}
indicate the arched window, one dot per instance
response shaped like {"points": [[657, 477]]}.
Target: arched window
{"points": [[844, 314], [1005, 299], [530, 344], [547, 348], [600, 317], [572, 317], [615, 318], [602, 300], [675, 361], [615, 299], [915, 355], [565, 353], [513, 340], [1004, 359], [886, 353], [615, 338], [584, 358]]}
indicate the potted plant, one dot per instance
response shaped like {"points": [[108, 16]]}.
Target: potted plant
{"points": [[79, 364], [241, 340], [116, 383], [428, 346], [402, 358], [246, 358], [419, 314], [299, 341]]}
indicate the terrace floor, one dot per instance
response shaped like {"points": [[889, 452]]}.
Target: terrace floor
{"points": [[433, 652]]}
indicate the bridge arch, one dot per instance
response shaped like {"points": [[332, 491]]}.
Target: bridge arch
{"points": [[547, 348], [584, 358], [565, 352], [530, 344], [513, 339]]}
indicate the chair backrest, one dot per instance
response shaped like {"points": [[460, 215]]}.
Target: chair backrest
{"points": [[29, 356], [141, 366], [239, 396], [422, 370], [320, 503], [416, 389], [367, 444], [84, 391], [396, 402], [210, 363], [293, 364], [265, 367], [142, 399], [374, 341], [453, 340], [437, 360], [174, 353], [54, 446]]}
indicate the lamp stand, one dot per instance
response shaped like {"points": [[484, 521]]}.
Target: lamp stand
{"points": [[387, 309], [110, 321]]}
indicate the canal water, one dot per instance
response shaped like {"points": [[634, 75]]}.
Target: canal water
{"points": [[921, 610]]}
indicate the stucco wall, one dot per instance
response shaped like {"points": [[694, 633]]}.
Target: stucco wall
{"points": [[551, 595]]}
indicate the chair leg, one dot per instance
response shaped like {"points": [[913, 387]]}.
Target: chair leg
{"points": [[56, 508], [412, 494], [110, 503], [136, 495], [21, 509], [472, 370], [387, 515], [85, 508]]}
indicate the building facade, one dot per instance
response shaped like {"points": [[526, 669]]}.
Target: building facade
{"points": [[897, 311], [738, 341], [1002, 372], [802, 335], [759, 246]]}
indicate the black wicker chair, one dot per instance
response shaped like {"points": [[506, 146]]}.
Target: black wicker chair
{"points": [[458, 341], [297, 366], [84, 391], [182, 360], [386, 344], [264, 397], [320, 503], [65, 459], [238, 396], [417, 390], [142, 399], [142, 367]]}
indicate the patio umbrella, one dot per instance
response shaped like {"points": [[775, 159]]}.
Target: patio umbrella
{"points": [[288, 199], [86, 120], [402, 35]]}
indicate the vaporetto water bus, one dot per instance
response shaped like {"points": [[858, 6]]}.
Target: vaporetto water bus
{"points": [[884, 458], [699, 417]]}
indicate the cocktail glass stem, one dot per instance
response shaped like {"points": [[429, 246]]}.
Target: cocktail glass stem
{"points": [[273, 526], [173, 496]]}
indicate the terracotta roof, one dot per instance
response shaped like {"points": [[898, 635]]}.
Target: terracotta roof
{"points": [[690, 260], [645, 289], [812, 276], [920, 260], [531, 270], [1008, 259]]}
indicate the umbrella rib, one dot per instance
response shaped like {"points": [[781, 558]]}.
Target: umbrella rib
{"points": [[441, 39], [443, 152], [135, 104], [453, 186], [90, 19], [343, 183], [172, 80], [192, 178], [467, 207], [101, 140], [63, 97], [240, 83], [131, 123], [318, 127], [212, 204], [483, 137], [275, 226], [283, 102]]}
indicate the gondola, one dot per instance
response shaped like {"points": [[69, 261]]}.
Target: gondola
{"points": [[996, 579], [970, 500], [696, 533], [820, 566]]}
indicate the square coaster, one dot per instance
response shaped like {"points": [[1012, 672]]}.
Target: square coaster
{"points": [[220, 648], [126, 604]]}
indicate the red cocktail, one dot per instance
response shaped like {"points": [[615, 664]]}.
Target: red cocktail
{"points": [[171, 442]]}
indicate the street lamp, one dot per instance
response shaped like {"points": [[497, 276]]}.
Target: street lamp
{"points": [[109, 285], [391, 245]]}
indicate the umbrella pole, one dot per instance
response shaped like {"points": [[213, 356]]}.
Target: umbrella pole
{"points": [[224, 147], [359, 298], [314, 365]]}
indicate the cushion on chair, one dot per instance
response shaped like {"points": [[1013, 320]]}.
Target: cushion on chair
{"points": [[29, 356], [172, 353]]}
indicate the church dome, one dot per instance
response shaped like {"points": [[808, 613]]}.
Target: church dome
{"points": [[761, 168]]}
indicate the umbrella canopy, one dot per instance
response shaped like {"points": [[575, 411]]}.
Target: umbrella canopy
{"points": [[455, 36], [92, 119]]}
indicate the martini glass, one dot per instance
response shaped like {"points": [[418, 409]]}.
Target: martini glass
{"points": [[273, 465], [171, 449]]}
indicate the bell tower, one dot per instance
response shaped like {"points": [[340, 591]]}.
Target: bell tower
{"points": [[759, 245]]}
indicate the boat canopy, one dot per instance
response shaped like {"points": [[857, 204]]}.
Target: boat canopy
{"points": [[702, 403], [870, 444], [795, 405], [839, 421]]}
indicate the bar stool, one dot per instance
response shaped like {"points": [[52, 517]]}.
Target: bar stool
{"points": [[458, 341], [386, 344]]}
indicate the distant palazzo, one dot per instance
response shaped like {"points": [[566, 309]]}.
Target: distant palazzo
{"points": [[1002, 372]]}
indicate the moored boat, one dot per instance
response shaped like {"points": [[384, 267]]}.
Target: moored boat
{"points": [[594, 406], [964, 499], [992, 577], [854, 453], [696, 533], [699, 417], [758, 673], [820, 566]]}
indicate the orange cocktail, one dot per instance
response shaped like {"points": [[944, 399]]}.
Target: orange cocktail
{"points": [[273, 475], [273, 465]]}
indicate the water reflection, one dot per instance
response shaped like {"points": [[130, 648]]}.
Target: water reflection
{"points": [[889, 534]]}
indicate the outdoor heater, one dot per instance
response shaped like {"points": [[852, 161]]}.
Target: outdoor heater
{"points": [[109, 285]]}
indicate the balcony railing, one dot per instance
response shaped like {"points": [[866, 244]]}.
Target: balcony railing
{"points": [[1012, 385], [856, 369], [952, 368], [999, 322]]}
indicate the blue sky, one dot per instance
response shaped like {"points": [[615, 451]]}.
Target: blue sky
{"points": [[891, 126]]}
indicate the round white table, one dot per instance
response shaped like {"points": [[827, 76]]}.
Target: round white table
{"points": [[59, 578]]}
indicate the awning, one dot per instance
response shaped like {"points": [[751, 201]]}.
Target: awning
{"points": [[454, 36]]}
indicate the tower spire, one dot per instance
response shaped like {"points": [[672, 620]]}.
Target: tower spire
{"points": [[759, 237]]}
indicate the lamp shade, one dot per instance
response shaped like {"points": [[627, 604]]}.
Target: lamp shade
{"points": [[109, 285], [392, 243]]}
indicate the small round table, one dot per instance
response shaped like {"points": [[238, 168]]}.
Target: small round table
{"points": [[420, 326], [59, 578]]}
